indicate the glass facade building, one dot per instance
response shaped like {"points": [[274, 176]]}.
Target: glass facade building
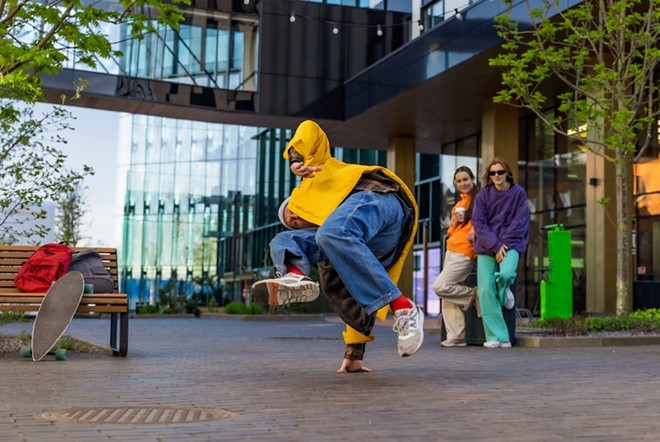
{"points": [[188, 187], [201, 197]]}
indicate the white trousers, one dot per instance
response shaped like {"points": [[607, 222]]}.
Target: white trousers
{"points": [[456, 296]]}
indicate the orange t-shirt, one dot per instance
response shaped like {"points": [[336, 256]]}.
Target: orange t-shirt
{"points": [[458, 234]]}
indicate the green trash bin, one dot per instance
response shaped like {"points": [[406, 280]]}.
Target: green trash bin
{"points": [[557, 288]]}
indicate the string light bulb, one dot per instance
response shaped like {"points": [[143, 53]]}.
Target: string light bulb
{"points": [[246, 2], [458, 14], [335, 29], [292, 18], [379, 31]]}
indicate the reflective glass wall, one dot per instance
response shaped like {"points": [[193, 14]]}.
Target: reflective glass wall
{"points": [[647, 204], [188, 187], [214, 49], [436, 11], [552, 171]]}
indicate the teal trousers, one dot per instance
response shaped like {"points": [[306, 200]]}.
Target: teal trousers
{"points": [[493, 280]]}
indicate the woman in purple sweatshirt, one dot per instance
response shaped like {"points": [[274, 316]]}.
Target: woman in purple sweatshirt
{"points": [[501, 224]]}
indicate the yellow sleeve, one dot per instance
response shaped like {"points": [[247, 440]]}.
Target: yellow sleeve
{"points": [[352, 336]]}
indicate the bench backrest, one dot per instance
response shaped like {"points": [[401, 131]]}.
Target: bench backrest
{"points": [[13, 257]]}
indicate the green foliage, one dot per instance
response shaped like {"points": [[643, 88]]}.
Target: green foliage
{"points": [[70, 215], [32, 169], [212, 305], [639, 321], [576, 325], [42, 37], [67, 343], [238, 308], [9, 317], [25, 337], [172, 298], [147, 309], [604, 57]]}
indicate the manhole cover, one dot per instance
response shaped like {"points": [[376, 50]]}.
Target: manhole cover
{"points": [[139, 415]]}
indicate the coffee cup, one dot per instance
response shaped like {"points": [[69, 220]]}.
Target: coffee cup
{"points": [[460, 212]]}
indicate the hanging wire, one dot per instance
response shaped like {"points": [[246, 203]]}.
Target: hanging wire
{"points": [[334, 26]]}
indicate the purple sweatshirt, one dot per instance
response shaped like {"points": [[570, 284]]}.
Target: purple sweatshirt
{"points": [[500, 217]]}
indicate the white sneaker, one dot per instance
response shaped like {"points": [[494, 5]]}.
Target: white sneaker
{"points": [[510, 301], [497, 344], [290, 288], [409, 324], [453, 343]]}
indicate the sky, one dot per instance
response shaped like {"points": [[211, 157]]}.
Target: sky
{"points": [[95, 142]]}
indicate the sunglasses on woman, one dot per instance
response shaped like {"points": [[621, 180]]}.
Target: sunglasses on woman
{"points": [[496, 172]]}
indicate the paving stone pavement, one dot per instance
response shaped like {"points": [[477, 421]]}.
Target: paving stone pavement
{"points": [[276, 380]]}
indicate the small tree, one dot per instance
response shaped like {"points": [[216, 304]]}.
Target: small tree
{"points": [[605, 55], [31, 168], [70, 214], [41, 37]]}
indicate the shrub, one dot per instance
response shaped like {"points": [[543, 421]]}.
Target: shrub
{"points": [[238, 308], [8, 317], [639, 321], [148, 309], [213, 304]]}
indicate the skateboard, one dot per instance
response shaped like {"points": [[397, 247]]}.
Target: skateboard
{"points": [[54, 315]]}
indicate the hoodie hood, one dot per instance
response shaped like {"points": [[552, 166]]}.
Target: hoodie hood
{"points": [[311, 142]]}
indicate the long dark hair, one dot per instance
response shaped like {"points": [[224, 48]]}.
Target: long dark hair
{"points": [[473, 192], [485, 178]]}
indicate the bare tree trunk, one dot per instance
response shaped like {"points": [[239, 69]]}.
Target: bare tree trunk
{"points": [[624, 233]]}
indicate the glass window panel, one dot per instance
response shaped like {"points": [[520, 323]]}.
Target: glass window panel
{"points": [[428, 166]]}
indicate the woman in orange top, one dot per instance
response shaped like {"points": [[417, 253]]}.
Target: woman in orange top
{"points": [[459, 262]]}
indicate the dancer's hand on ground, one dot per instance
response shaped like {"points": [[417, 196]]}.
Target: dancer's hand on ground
{"points": [[299, 169], [351, 366]]}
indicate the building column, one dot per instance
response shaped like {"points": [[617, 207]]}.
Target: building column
{"points": [[401, 161], [600, 247], [499, 134]]}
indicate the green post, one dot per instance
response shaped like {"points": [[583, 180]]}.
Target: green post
{"points": [[557, 289]]}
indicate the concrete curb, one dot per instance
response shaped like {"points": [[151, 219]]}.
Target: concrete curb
{"points": [[522, 340], [585, 341]]}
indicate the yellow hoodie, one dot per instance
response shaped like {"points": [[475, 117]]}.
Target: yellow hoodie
{"points": [[316, 198]]}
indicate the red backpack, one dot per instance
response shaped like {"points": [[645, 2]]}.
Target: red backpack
{"points": [[47, 264]]}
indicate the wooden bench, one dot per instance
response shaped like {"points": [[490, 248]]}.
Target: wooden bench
{"points": [[116, 304]]}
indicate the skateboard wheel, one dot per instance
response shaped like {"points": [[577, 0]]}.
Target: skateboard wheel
{"points": [[26, 352], [60, 354]]}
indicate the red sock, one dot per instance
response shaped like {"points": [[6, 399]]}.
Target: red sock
{"points": [[400, 302], [292, 269]]}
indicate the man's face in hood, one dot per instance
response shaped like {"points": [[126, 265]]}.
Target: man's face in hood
{"points": [[311, 142]]}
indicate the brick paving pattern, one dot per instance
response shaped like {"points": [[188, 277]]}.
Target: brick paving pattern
{"points": [[277, 382]]}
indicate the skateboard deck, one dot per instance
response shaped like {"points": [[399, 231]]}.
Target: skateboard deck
{"points": [[56, 312]]}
